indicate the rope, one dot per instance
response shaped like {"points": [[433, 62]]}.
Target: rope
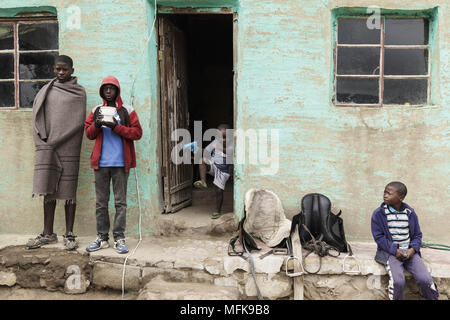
{"points": [[141, 57], [252, 267], [436, 246], [140, 235]]}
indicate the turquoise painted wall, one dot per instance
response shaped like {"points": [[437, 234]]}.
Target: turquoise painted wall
{"points": [[108, 42], [284, 71], [349, 154]]}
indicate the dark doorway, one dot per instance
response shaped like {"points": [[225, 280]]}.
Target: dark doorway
{"points": [[195, 87]]}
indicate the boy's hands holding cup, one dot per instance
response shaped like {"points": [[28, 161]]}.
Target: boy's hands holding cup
{"points": [[99, 121], [111, 125]]}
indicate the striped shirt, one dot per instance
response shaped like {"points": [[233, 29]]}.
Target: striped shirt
{"points": [[398, 226]]}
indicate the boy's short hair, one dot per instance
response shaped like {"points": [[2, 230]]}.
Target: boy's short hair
{"points": [[64, 59], [399, 186]]}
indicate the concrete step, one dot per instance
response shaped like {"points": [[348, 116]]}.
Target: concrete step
{"points": [[196, 220]]}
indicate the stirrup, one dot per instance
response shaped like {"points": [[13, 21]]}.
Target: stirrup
{"points": [[232, 252], [351, 271], [293, 274]]}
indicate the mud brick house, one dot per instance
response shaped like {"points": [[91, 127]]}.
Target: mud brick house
{"points": [[356, 92]]}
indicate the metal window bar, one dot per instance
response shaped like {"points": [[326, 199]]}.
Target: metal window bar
{"points": [[381, 83], [381, 76], [46, 18]]}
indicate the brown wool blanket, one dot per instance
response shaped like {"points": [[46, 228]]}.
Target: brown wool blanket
{"points": [[59, 111]]}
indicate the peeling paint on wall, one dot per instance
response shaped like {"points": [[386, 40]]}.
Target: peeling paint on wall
{"points": [[284, 69]]}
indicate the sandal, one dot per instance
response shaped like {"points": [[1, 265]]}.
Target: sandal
{"points": [[200, 184], [216, 215]]}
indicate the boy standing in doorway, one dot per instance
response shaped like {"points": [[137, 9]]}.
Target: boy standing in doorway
{"points": [[215, 163], [112, 158], [59, 110]]}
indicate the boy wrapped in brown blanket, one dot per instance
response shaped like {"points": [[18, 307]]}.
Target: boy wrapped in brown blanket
{"points": [[59, 111]]}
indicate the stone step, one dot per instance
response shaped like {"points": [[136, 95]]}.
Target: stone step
{"points": [[198, 267], [159, 289], [196, 220]]}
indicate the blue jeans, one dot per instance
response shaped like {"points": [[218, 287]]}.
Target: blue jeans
{"points": [[119, 178]]}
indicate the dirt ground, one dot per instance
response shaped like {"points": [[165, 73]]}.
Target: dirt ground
{"points": [[43, 267]]}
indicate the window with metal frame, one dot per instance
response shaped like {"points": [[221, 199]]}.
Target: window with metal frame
{"points": [[28, 47], [383, 66]]}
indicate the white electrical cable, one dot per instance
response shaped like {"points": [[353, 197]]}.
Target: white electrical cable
{"points": [[135, 172], [142, 56], [140, 234]]}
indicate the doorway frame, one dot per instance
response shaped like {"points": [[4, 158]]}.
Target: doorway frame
{"points": [[166, 10]]}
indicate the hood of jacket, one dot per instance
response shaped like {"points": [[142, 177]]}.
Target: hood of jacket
{"points": [[111, 80]]}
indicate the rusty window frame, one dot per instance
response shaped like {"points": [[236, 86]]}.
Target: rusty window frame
{"points": [[381, 76], [16, 53]]}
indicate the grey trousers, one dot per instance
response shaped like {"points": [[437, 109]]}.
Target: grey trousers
{"points": [[119, 179], [415, 265]]}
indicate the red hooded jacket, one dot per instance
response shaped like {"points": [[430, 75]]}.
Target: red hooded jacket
{"points": [[129, 129]]}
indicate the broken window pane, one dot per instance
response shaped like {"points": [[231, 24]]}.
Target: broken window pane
{"points": [[406, 31], [357, 90], [28, 91], [406, 62], [38, 36], [7, 94], [37, 65], [358, 61], [405, 91], [355, 31], [7, 66], [6, 37]]}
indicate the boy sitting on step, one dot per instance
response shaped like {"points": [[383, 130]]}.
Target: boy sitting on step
{"points": [[396, 230]]}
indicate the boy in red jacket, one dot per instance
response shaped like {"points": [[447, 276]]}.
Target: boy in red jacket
{"points": [[112, 157]]}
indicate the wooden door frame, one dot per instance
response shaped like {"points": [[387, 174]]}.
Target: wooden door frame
{"points": [[166, 10]]}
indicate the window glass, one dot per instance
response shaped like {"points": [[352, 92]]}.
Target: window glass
{"points": [[358, 61], [6, 37], [7, 94], [406, 31], [28, 91], [351, 90], [33, 47], [405, 91], [405, 62], [6, 66], [38, 36], [355, 31], [36, 65]]}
